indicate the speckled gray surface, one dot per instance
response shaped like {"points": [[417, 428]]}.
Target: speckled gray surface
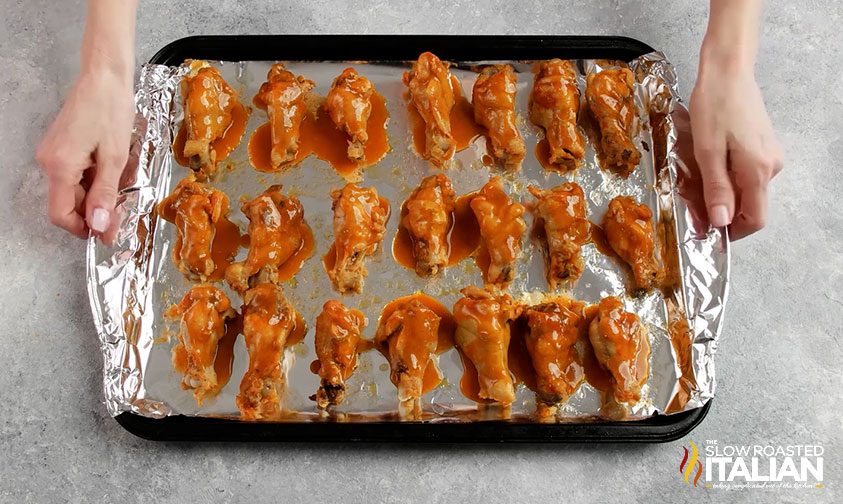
{"points": [[779, 371]]}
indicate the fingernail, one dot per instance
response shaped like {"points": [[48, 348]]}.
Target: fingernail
{"points": [[719, 216], [99, 220]]}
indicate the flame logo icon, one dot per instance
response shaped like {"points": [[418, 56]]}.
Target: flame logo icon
{"points": [[690, 461]]}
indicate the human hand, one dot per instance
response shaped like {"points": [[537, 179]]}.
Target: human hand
{"points": [[85, 151], [734, 145]]}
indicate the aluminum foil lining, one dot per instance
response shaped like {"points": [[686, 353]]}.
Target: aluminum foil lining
{"points": [[131, 283]]}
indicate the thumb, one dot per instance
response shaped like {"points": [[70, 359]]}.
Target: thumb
{"points": [[102, 196], [717, 186]]}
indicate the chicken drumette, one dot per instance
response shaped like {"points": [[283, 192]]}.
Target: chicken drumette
{"points": [[483, 336], [622, 348], [208, 105], [337, 337], [203, 313], [268, 319], [195, 209], [349, 103], [432, 95], [629, 231], [554, 106], [611, 100], [493, 98], [428, 217], [284, 95], [501, 228], [555, 329], [360, 217], [277, 230], [561, 212], [408, 338]]}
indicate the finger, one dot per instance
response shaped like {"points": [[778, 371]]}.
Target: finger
{"points": [[752, 215], [752, 173], [102, 196], [62, 207], [717, 187]]}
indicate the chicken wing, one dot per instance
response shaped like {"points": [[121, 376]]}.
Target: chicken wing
{"points": [[428, 217], [432, 95], [561, 212], [208, 105], [195, 209], [501, 228], [203, 312], [277, 230], [284, 97], [555, 106], [493, 98], [629, 231], [360, 217], [268, 319], [610, 98], [337, 336], [408, 338], [349, 103], [622, 348], [483, 336], [555, 329]]}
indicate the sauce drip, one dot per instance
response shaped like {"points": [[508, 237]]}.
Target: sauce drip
{"points": [[543, 157], [224, 359], [292, 265], [463, 238], [321, 137], [224, 145], [298, 331]]}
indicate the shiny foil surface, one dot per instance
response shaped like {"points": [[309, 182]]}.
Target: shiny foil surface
{"points": [[131, 283]]}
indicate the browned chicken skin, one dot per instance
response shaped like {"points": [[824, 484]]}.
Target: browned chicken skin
{"points": [[562, 213], [428, 219], [493, 98], [360, 217], [555, 105], [629, 231], [203, 312], [432, 95], [349, 103], [622, 348], [611, 100], [501, 228], [408, 338], [337, 336], [209, 102], [276, 231], [195, 208], [483, 336], [268, 319], [285, 97], [555, 329]]}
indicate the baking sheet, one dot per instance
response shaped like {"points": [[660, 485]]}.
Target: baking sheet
{"points": [[131, 283]]}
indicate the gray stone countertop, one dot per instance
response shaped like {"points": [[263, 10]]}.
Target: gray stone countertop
{"points": [[778, 365]]}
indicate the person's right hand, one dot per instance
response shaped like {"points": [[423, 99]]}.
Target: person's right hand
{"points": [[85, 150]]}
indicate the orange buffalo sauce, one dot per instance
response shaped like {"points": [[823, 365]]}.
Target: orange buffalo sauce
{"points": [[224, 145], [447, 324], [321, 137], [224, 248], [595, 375], [463, 238], [464, 128]]}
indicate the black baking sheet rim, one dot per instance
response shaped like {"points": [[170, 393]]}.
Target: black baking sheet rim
{"points": [[657, 429]]}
